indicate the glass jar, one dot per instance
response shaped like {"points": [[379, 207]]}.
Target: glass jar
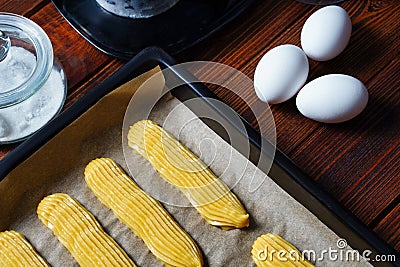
{"points": [[32, 84]]}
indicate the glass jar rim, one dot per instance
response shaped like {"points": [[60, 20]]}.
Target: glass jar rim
{"points": [[44, 58]]}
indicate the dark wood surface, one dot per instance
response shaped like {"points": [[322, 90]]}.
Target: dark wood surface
{"points": [[356, 161]]}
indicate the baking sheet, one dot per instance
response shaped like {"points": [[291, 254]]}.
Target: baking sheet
{"points": [[58, 167]]}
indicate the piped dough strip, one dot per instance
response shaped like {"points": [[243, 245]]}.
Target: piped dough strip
{"points": [[273, 250], [144, 215], [78, 230], [180, 167], [16, 251]]}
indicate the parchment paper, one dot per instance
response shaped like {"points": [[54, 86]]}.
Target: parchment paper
{"points": [[58, 167]]}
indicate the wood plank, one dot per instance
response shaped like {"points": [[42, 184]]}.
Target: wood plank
{"points": [[384, 95], [373, 43], [242, 39], [5, 149], [78, 57], [21, 7], [388, 228], [373, 28], [287, 118], [248, 42], [103, 73], [355, 149], [377, 189], [245, 36], [302, 125]]}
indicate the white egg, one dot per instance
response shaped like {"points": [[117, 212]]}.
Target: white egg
{"points": [[280, 74], [326, 33], [332, 98]]}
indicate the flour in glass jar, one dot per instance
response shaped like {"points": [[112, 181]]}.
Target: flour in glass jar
{"points": [[21, 120]]}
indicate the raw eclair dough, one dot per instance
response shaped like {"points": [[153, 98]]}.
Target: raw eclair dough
{"points": [[266, 251], [144, 215], [16, 251], [78, 230], [180, 167]]}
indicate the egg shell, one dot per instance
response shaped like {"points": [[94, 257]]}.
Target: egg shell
{"points": [[280, 74], [326, 33], [332, 98]]}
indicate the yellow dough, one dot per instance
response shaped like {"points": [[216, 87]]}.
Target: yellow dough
{"points": [[144, 215], [273, 250], [16, 251], [180, 167], [78, 230]]}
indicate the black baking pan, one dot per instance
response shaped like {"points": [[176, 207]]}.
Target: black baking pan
{"points": [[283, 171], [185, 24]]}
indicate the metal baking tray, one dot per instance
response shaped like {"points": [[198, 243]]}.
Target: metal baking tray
{"points": [[185, 24], [283, 171]]}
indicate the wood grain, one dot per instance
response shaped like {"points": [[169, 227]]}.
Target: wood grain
{"points": [[374, 134], [388, 227], [77, 55], [22, 7], [103, 73], [357, 161], [360, 169]]}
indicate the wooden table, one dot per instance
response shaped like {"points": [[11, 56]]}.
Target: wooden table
{"points": [[357, 161]]}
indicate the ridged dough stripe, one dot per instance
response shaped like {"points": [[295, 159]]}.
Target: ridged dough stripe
{"points": [[203, 173], [191, 192], [139, 194], [198, 175], [271, 245], [15, 251], [80, 224], [144, 215], [78, 230], [181, 168], [200, 187], [92, 236], [142, 203], [190, 162], [23, 245], [109, 184]]}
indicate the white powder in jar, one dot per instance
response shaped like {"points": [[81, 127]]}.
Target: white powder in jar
{"points": [[25, 118], [16, 68]]}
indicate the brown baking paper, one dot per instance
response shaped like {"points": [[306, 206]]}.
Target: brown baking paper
{"points": [[58, 167]]}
